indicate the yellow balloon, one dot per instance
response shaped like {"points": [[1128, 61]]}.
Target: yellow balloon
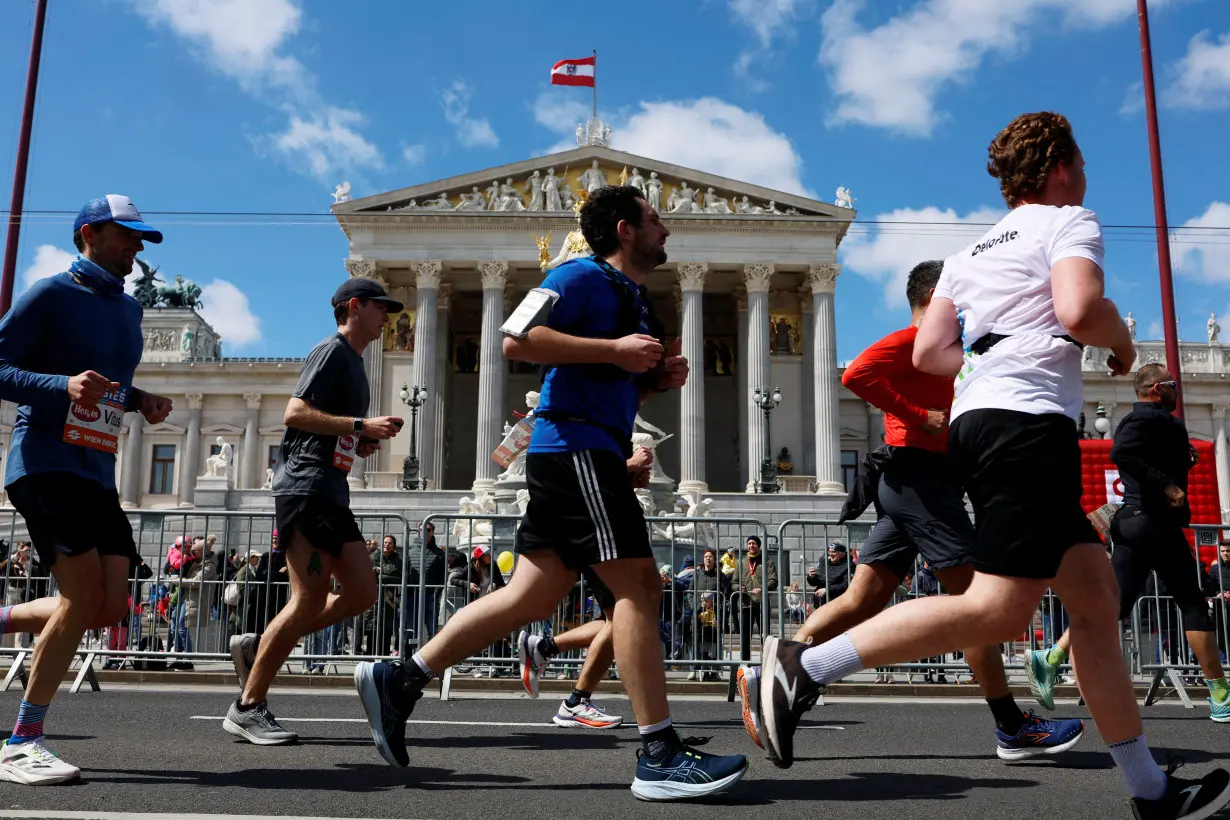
{"points": [[505, 562]]}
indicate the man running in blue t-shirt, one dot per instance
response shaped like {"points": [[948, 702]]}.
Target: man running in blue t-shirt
{"points": [[68, 351], [588, 325]]}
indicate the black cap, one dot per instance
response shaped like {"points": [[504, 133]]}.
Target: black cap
{"points": [[369, 289], [838, 546]]}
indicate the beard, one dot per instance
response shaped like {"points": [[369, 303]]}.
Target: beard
{"points": [[650, 256]]}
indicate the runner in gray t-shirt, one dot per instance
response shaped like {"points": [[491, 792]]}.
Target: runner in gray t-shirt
{"points": [[325, 432]]}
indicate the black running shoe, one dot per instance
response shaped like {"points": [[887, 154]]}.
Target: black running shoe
{"points": [[785, 694], [1186, 799], [388, 694]]}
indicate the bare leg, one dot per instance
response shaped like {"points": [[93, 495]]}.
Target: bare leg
{"points": [[580, 637], [984, 661], [638, 597], [32, 616], [1204, 644], [598, 661]]}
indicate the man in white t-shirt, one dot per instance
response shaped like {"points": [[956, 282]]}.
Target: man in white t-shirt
{"points": [[1008, 319]]}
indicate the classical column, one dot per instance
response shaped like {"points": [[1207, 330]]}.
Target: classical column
{"points": [[756, 278], [491, 373], [692, 396], [426, 339], [741, 395], [373, 356], [439, 395], [360, 267], [1222, 454], [191, 458], [807, 458], [252, 467], [823, 281], [130, 475]]}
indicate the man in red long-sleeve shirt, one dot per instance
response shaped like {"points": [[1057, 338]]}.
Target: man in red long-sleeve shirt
{"points": [[921, 510]]}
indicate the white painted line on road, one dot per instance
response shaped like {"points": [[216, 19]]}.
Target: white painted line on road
{"points": [[494, 724], [34, 814]]}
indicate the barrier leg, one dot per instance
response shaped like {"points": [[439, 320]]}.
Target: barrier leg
{"points": [[1180, 688], [1151, 696], [732, 688], [16, 671], [86, 674], [446, 683]]}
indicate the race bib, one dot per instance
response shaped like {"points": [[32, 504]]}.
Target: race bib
{"points": [[96, 427], [344, 453]]}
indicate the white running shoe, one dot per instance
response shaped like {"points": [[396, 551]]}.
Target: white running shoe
{"points": [[33, 764], [532, 664], [585, 715], [243, 653]]}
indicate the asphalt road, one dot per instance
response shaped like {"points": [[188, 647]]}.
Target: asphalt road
{"points": [[165, 753]]}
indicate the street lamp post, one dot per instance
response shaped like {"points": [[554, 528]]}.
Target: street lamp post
{"points": [[414, 398], [1101, 423], [767, 403]]}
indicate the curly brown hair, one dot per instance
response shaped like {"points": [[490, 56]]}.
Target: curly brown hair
{"points": [[1024, 153]]}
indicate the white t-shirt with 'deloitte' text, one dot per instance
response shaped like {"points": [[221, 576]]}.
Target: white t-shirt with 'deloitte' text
{"points": [[1002, 284]]}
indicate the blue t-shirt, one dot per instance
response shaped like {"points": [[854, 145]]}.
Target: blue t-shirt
{"points": [[57, 329], [590, 306]]}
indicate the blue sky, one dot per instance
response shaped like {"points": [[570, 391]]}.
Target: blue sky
{"points": [[265, 105]]}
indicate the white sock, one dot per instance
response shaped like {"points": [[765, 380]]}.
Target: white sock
{"points": [[1144, 778], [422, 664], [832, 660], [657, 727]]}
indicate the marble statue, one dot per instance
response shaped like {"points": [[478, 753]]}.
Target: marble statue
{"points": [[636, 180], [493, 196], [581, 134], [268, 485], [645, 499], [186, 343], [772, 208], [606, 135], [1131, 325], [516, 470], [219, 466], [742, 206], [1214, 329], [183, 293], [468, 531], [715, 204], [412, 205], [523, 501], [566, 198], [145, 291], [341, 193], [550, 191], [689, 532], [683, 200], [648, 436], [845, 197], [593, 179], [510, 198], [473, 201], [440, 203], [535, 191], [653, 191]]}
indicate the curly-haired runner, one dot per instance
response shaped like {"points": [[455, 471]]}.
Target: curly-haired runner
{"points": [[1007, 320]]}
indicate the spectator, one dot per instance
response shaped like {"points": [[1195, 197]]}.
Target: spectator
{"points": [[427, 566], [756, 577], [831, 578], [389, 573], [196, 593]]}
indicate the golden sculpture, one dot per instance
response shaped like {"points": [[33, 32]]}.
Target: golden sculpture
{"points": [[544, 250]]}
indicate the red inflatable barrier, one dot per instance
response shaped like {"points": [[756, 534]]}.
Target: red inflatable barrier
{"points": [[1101, 483]]}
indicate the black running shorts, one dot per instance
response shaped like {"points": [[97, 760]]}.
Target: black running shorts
{"points": [[1023, 474], [1143, 543], [325, 525], [70, 515], [922, 511], [582, 506]]}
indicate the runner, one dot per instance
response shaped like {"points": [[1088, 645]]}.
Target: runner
{"points": [[325, 432], [72, 396], [922, 511], [1154, 454], [589, 324], [1008, 319]]}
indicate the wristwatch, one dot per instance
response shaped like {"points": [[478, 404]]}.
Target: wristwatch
{"points": [[358, 425]]}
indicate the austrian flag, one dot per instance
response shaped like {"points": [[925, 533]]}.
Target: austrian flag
{"points": [[574, 72]]}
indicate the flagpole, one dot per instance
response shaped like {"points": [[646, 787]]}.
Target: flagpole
{"points": [[595, 84], [9, 272]]}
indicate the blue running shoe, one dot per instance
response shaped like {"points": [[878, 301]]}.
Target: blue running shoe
{"points": [[1039, 736], [1219, 709], [1042, 678], [388, 694], [686, 774]]}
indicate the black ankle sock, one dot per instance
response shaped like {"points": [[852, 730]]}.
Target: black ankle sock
{"points": [[1008, 716], [576, 697], [546, 648], [660, 743], [239, 705]]}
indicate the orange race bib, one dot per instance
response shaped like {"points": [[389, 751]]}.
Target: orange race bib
{"points": [[95, 427], [344, 453]]}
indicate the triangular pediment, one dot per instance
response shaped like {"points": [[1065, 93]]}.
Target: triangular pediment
{"points": [[526, 188]]}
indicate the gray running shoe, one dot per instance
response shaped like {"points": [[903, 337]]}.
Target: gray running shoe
{"points": [[243, 653], [257, 725]]}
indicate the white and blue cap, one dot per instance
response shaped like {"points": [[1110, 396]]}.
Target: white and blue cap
{"points": [[119, 209]]}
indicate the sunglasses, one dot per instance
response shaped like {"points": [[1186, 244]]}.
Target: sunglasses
{"points": [[1173, 385]]}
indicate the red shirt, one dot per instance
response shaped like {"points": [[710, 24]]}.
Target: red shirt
{"points": [[884, 376]]}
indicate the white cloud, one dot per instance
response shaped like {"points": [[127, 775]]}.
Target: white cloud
{"points": [[246, 41], [473, 132], [889, 76], [413, 154], [48, 261], [767, 19], [1155, 331], [1202, 77], [226, 308], [560, 113], [1133, 100], [902, 238], [1200, 252]]}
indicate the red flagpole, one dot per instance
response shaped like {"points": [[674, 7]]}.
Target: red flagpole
{"points": [[1159, 208], [23, 160]]}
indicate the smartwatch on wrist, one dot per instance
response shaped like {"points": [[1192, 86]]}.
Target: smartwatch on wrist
{"points": [[358, 425]]}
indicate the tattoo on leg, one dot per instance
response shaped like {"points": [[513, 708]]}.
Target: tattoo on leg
{"points": [[315, 567]]}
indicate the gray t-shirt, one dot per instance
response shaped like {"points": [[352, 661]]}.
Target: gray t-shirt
{"points": [[333, 381]]}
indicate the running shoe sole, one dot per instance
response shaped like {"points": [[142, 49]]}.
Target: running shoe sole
{"points": [[528, 679], [655, 791], [768, 720], [1036, 751], [583, 724], [240, 732], [365, 684], [12, 774], [750, 695], [1035, 687]]}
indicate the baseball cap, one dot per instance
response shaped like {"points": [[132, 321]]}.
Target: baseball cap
{"points": [[370, 289], [119, 209], [480, 551]]}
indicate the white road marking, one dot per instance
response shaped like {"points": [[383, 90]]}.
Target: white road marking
{"points": [[485, 723], [34, 814]]}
